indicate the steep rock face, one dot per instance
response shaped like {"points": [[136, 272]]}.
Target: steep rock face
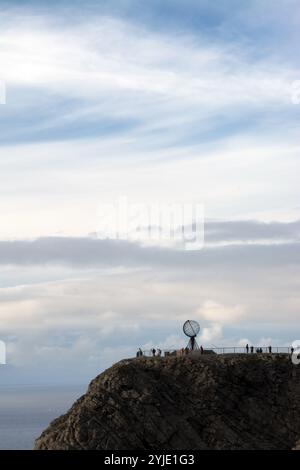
{"points": [[190, 402]]}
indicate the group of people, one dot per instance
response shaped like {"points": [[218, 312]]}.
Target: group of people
{"points": [[258, 350], [154, 352], [158, 352]]}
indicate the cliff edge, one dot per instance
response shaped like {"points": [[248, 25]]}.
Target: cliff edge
{"points": [[190, 402]]}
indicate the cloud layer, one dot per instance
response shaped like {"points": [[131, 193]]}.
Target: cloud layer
{"points": [[90, 302]]}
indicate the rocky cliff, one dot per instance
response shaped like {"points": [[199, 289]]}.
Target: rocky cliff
{"points": [[190, 402]]}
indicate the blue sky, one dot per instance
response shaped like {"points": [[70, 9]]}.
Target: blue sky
{"points": [[172, 101]]}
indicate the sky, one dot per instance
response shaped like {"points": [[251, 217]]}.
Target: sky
{"points": [[174, 102]]}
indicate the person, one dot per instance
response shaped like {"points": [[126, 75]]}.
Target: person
{"points": [[252, 349], [140, 352], [201, 349], [292, 350], [270, 349], [153, 352], [159, 352], [247, 348]]}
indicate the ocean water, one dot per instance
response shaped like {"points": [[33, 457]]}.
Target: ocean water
{"points": [[25, 411]]}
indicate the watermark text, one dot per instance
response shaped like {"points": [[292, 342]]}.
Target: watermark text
{"points": [[175, 223]]}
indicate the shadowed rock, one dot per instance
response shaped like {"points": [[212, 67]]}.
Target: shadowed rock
{"points": [[190, 402]]}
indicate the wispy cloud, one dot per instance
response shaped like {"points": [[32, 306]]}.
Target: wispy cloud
{"points": [[118, 70]]}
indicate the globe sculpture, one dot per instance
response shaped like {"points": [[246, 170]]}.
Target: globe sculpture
{"points": [[191, 328]]}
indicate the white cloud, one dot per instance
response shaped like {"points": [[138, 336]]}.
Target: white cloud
{"points": [[243, 342], [168, 89], [105, 55], [169, 343], [52, 191], [211, 334], [215, 312], [89, 322]]}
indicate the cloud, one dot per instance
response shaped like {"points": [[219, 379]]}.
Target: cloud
{"points": [[118, 106], [89, 252], [243, 342], [73, 328], [116, 74], [221, 314], [104, 54], [247, 230], [210, 334]]}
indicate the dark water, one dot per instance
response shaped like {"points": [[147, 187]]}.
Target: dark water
{"points": [[25, 411]]}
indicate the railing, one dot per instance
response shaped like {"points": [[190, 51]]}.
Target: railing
{"points": [[226, 350], [256, 350]]}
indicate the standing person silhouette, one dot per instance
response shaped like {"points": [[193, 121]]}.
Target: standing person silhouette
{"points": [[247, 348]]}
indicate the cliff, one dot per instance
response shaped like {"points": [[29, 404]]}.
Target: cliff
{"points": [[190, 402]]}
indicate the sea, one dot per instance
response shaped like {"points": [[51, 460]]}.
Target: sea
{"points": [[25, 411]]}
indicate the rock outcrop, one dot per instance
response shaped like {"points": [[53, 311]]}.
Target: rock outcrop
{"points": [[191, 402]]}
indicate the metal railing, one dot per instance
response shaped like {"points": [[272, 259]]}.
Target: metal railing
{"points": [[225, 350], [256, 350]]}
